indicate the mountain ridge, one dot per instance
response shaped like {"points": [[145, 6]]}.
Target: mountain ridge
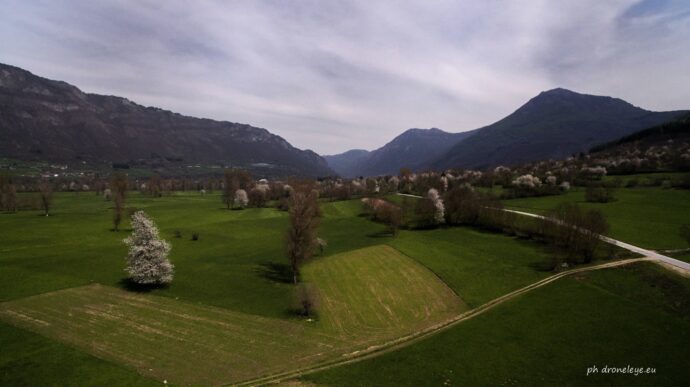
{"points": [[415, 148], [56, 121], [554, 124]]}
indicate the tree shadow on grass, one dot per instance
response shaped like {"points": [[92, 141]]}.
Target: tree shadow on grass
{"points": [[276, 272], [131, 286]]}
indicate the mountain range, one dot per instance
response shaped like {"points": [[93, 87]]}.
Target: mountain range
{"points": [[415, 149], [554, 124], [47, 120]]}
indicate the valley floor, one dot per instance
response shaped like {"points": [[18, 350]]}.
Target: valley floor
{"points": [[66, 317]]}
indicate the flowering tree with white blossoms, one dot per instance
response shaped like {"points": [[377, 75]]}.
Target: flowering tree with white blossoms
{"points": [[439, 215], [241, 198], [147, 260], [527, 181]]}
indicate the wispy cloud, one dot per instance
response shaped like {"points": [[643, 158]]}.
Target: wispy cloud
{"points": [[337, 75]]}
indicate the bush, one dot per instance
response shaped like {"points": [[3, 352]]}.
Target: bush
{"points": [[575, 231], [632, 183], [462, 205], [195, 236], [424, 213], [599, 194], [257, 197]]}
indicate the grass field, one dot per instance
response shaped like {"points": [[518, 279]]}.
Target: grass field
{"points": [[235, 264], [370, 296], [377, 291], [637, 315], [647, 217], [226, 316], [480, 266]]}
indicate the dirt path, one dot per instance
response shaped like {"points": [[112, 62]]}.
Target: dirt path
{"points": [[410, 339]]}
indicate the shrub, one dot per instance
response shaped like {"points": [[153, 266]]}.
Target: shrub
{"points": [[195, 236], [599, 194], [257, 197], [321, 244], [307, 300], [632, 183]]}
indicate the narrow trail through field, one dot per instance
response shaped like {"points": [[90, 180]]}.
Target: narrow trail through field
{"points": [[410, 339]]}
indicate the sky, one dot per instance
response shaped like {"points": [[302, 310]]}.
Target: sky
{"points": [[334, 75]]}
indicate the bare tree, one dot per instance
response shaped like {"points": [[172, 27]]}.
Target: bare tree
{"points": [[233, 180], [577, 231], [304, 218], [8, 194], [462, 205], [119, 186], [45, 189], [155, 186], [392, 216]]}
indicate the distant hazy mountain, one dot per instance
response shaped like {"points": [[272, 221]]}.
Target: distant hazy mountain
{"points": [[42, 119], [414, 149], [554, 124], [346, 164]]}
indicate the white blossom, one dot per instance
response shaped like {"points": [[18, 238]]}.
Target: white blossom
{"points": [[241, 198], [501, 169], [527, 181], [147, 260], [439, 215]]}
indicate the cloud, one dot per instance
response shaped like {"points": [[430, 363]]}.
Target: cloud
{"points": [[331, 76]]}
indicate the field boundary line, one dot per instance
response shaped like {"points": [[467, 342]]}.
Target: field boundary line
{"points": [[404, 341]]}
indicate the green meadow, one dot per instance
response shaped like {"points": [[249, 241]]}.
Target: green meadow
{"points": [[637, 315], [68, 318], [649, 217]]}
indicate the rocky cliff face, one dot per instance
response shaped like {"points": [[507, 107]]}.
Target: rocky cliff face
{"points": [[42, 119]]}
